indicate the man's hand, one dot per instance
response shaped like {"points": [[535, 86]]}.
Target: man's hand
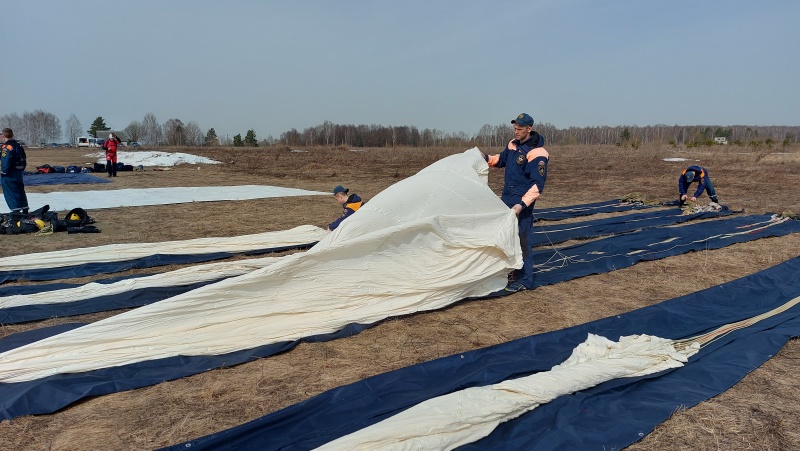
{"points": [[517, 209], [694, 199], [683, 197]]}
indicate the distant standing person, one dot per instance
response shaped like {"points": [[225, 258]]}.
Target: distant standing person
{"points": [[350, 204], [110, 147], [13, 158], [525, 160], [697, 174]]}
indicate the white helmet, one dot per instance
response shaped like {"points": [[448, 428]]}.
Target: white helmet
{"points": [[110, 135]]}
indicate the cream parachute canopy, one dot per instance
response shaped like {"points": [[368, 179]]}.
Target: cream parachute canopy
{"points": [[423, 243]]}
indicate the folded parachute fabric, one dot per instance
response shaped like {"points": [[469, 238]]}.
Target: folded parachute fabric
{"points": [[120, 257], [416, 246], [125, 293], [611, 415]]}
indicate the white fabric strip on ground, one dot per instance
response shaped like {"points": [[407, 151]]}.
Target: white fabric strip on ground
{"points": [[305, 234], [462, 417], [421, 244], [131, 197], [179, 277]]}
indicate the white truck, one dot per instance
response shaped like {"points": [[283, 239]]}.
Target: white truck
{"points": [[84, 141]]}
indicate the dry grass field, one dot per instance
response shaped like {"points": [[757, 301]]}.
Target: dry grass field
{"points": [[760, 412]]}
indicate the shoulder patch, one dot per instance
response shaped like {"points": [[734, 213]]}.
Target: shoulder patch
{"points": [[520, 159], [542, 168]]}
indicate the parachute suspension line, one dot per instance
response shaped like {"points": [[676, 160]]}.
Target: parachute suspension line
{"points": [[557, 254], [709, 337]]}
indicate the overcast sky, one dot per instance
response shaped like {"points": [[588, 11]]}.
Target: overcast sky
{"points": [[451, 65]]}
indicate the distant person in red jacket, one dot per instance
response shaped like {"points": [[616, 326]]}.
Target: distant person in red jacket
{"points": [[110, 146]]}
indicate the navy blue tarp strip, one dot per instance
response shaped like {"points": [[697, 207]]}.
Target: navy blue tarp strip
{"points": [[127, 299], [22, 398], [557, 265], [61, 178], [52, 393], [558, 233], [90, 269], [573, 211], [610, 416]]}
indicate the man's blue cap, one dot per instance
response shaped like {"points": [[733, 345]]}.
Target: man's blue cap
{"points": [[689, 176], [523, 119], [340, 189]]}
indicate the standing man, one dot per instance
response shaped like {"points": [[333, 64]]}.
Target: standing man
{"points": [[697, 174], [12, 156], [525, 160]]}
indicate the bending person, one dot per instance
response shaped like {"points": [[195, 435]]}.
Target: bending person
{"points": [[350, 204], [697, 174]]}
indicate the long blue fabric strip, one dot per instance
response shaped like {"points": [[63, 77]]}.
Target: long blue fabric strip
{"points": [[609, 416], [52, 393]]}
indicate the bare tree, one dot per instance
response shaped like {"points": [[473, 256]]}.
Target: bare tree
{"points": [[151, 130], [194, 136], [134, 131], [41, 126], [14, 122], [175, 132], [74, 129]]}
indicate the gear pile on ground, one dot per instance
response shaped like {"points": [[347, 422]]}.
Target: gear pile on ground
{"points": [[43, 222]]}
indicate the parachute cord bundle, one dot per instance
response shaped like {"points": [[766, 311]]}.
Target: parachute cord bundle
{"points": [[709, 337], [637, 198]]}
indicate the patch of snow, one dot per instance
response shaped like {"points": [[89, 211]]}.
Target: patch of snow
{"points": [[155, 158], [297, 150], [675, 159]]}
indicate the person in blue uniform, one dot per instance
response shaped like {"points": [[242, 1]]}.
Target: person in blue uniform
{"points": [[525, 161], [697, 174], [12, 165], [350, 204]]}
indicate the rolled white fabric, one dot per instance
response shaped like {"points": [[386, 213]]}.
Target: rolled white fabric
{"points": [[462, 417]]}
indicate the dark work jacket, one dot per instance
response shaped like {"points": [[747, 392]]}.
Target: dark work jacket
{"points": [[525, 170], [351, 206]]}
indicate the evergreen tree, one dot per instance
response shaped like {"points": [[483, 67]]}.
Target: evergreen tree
{"points": [[98, 124], [250, 139], [237, 140], [211, 138]]}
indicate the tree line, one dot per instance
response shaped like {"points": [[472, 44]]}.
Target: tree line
{"points": [[44, 127]]}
